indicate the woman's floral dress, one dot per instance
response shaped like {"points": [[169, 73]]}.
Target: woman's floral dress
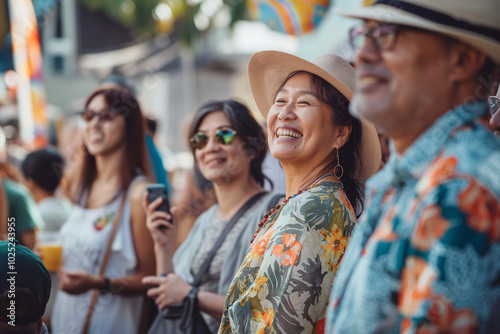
{"points": [[285, 280]]}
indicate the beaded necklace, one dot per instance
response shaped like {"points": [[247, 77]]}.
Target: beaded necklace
{"points": [[279, 206]]}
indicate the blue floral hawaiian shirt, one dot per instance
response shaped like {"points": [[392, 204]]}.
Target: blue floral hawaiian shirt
{"points": [[425, 255]]}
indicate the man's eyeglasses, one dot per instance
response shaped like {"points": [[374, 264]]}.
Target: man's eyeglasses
{"points": [[105, 115], [494, 103], [384, 36], [223, 136]]}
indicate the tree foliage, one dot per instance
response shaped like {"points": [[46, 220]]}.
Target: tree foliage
{"points": [[139, 15]]}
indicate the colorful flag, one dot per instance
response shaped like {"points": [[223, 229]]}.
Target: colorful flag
{"points": [[31, 103]]}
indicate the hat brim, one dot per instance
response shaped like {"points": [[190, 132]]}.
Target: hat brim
{"points": [[268, 69], [389, 14]]}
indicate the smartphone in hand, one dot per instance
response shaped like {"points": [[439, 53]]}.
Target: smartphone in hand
{"points": [[155, 191]]}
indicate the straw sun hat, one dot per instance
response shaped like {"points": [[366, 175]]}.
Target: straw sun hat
{"points": [[268, 69], [476, 23]]}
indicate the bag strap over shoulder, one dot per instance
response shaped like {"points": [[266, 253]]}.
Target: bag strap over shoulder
{"points": [[206, 264], [107, 253]]}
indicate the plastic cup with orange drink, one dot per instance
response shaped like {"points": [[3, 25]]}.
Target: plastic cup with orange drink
{"points": [[51, 250]]}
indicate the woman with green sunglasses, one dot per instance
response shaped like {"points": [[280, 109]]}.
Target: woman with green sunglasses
{"points": [[229, 147]]}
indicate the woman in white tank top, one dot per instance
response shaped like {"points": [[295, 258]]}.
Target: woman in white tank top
{"points": [[114, 160]]}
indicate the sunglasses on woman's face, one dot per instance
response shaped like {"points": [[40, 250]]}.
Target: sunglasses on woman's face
{"points": [[494, 103], [105, 115], [224, 137]]}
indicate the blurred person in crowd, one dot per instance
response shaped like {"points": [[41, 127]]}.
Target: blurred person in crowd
{"points": [[15, 150], [495, 112], [43, 170], [285, 280], [16, 205], [151, 127], [107, 193], [24, 293], [229, 146], [423, 258], [156, 160]]}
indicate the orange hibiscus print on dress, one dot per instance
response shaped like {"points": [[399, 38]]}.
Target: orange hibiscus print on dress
{"points": [[335, 247], [264, 320], [431, 226], [260, 246], [289, 250], [482, 209], [416, 280], [343, 198]]}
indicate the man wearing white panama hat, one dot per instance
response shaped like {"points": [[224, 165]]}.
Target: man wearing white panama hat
{"points": [[424, 256]]}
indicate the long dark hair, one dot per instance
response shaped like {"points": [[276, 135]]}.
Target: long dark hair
{"points": [[249, 131], [124, 101], [349, 153]]}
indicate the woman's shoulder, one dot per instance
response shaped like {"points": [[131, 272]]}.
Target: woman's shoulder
{"points": [[137, 188], [323, 202], [206, 216], [326, 191], [200, 226]]}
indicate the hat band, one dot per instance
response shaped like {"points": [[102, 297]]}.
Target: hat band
{"points": [[440, 18]]}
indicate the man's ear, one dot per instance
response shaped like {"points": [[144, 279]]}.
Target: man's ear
{"points": [[343, 135], [466, 62]]}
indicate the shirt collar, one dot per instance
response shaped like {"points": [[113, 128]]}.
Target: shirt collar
{"points": [[425, 149]]}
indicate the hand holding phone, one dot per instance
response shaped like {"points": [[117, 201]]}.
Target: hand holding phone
{"points": [[155, 191]]}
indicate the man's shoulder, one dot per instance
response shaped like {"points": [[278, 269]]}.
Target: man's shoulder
{"points": [[476, 154]]}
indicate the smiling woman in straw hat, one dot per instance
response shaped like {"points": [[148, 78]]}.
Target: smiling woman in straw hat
{"points": [[285, 279]]}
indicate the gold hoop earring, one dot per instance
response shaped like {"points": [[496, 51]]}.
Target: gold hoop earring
{"points": [[338, 167]]}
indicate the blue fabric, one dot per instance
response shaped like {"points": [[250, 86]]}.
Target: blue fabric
{"points": [[424, 255], [156, 162]]}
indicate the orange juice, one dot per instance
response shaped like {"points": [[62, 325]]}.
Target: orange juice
{"points": [[51, 255]]}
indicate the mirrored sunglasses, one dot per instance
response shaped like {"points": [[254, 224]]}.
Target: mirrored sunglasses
{"points": [[494, 104], [223, 137], [104, 115]]}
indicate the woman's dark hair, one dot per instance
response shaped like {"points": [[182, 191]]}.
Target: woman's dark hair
{"points": [[125, 103], [242, 121], [349, 153]]}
